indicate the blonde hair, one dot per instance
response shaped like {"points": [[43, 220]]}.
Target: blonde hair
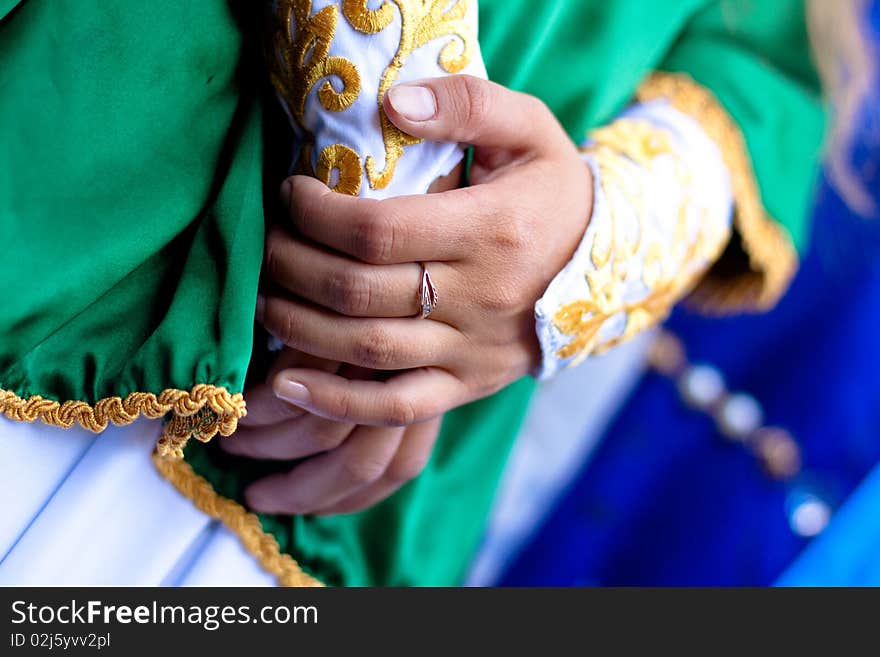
{"points": [[847, 63]]}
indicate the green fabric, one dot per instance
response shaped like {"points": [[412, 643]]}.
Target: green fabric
{"points": [[6, 6], [130, 198], [754, 57], [134, 210]]}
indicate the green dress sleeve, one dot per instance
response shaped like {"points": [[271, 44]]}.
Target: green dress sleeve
{"points": [[131, 210], [754, 59]]}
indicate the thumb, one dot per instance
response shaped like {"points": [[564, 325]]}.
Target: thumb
{"points": [[462, 108]]}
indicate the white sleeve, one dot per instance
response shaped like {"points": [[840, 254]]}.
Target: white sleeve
{"points": [[333, 64], [662, 207]]}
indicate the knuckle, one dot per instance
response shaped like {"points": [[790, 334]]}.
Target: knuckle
{"points": [[302, 207], [498, 299], [328, 437], [536, 106], [340, 403], [374, 349], [272, 258], [363, 470], [511, 236], [281, 322], [401, 412], [374, 236], [349, 293], [475, 101]]}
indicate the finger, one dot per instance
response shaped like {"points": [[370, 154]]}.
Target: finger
{"points": [[475, 111], [407, 464], [347, 286], [402, 400], [432, 227], [265, 408], [287, 358], [303, 436], [324, 480], [379, 344]]}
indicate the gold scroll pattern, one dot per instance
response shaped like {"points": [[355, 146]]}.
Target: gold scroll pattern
{"points": [[669, 268], [422, 21], [301, 60]]}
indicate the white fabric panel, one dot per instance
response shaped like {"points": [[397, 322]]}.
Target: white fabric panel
{"points": [[112, 520], [34, 460], [221, 559], [358, 126]]}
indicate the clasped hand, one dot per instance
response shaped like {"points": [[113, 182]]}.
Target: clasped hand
{"points": [[345, 273]]}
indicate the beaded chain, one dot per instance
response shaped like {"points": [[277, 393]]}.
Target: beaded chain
{"points": [[739, 419]]}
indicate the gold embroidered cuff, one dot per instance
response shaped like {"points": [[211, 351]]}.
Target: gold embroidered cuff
{"points": [[660, 219], [761, 260], [201, 413]]}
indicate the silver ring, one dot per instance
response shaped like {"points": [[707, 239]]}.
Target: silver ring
{"points": [[427, 294]]}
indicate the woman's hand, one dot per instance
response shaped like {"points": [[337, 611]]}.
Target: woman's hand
{"points": [[348, 468], [491, 249]]}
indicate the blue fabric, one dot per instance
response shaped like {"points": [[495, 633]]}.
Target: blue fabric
{"points": [[666, 501], [848, 553]]}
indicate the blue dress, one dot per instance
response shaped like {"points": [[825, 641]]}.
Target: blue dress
{"points": [[665, 500]]}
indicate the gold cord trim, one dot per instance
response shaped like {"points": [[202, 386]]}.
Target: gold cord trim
{"points": [[772, 258], [201, 413], [237, 519]]}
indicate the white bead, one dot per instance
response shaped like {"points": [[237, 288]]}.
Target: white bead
{"points": [[701, 386], [739, 416], [810, 517]]}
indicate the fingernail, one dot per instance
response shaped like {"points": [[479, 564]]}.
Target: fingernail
{"points": [[286, 189], [413, 102], [261, 308], [293, 392]]}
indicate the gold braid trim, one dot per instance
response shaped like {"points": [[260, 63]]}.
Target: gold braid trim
{"points": [[772, 259], [201, 413], [246, 525]]}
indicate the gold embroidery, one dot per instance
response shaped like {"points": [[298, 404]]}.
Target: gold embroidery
{"points": [[298, 64], [245, 525], [771, 255], [667, 272], [346, 162], [203, 412], [306, 60], [301, 59], [366, 20], [422, 21]]}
